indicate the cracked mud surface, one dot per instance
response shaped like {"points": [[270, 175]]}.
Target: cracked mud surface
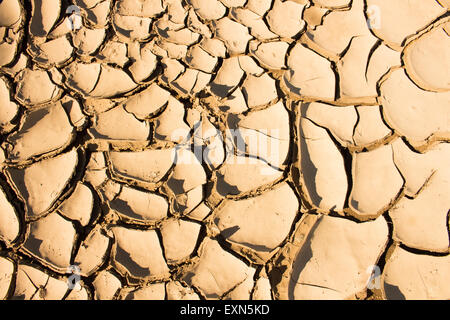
{"points": [[224, 149]]}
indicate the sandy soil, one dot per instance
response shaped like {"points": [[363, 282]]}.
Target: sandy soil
{"points": [[224, 149]]}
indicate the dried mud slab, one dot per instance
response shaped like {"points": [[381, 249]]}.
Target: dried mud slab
{"points": [[217, 271], [224, 149], [44, 16], [232, 175], [285, 18], [11, 13], [9, 221], [176, 291], [395, 31], [119, 128], [44, 131], [98, 80], [9, 108], [7, 270], [137, 254], [92, 252], [179, 239], [426, 58], [106, 285], [321, 168], [375, 171], [371, 128], [310, 75], [138, 206], [154, 291], [262, 133], [420, 280], [262, 289], [427, 193], [336, 30], [79, 205], [33, 284], [40, 184], [258, 224], [35, 87], [152, 99], [418, 168], [145, 166], [50, 240]]}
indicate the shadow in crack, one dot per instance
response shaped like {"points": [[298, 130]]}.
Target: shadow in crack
{"points": [[176, 185], [228, 232], [220, 90], [135, 270], [224, 188], [122, 207]]}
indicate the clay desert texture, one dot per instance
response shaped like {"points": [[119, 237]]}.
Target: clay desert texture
{"points": [[224, 149]]}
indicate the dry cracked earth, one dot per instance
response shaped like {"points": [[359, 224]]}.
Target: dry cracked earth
{"points": [[224, 149]]}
